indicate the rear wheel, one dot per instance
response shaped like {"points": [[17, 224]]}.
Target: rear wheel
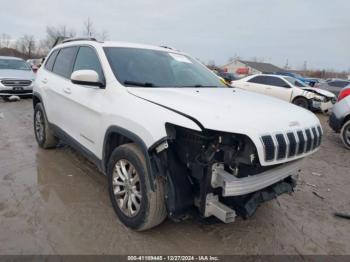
{"points": [[345, 134], [302, 102], [136, 205], [43, 133]]}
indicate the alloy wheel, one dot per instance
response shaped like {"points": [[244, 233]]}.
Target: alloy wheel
{"points": [[39, 126], [126, 187]]}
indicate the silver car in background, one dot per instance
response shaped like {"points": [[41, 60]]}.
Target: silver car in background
{"points": [[16, 77], [334, 85], [339, 120]]}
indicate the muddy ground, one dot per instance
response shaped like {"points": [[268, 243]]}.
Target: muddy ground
{"points": [[55, 202]]}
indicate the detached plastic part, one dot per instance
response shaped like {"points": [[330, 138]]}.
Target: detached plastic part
{"points": [[218, 209]]}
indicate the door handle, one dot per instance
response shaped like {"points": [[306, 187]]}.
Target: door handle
{"points": [[268, 88], [44, 81], [67, 90]]}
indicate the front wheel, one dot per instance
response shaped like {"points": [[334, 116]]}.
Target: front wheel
{"points": [[302, 102], [345, 134], [136, 205], [6, 98]]}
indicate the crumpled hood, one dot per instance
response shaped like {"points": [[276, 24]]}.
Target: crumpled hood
{"points": [[320, 91], [17, 74], [231, 109]]}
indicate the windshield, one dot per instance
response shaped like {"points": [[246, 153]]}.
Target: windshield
{"points": [[295, 82], [152, 68], [13, 64]]}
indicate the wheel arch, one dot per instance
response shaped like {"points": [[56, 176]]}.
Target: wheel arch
{"points": [[116, 136], [302, 97], [37, 99], [346, 119]]}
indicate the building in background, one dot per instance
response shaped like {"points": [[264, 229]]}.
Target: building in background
{"points": [[243, 68]]}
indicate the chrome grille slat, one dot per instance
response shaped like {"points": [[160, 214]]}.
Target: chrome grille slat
{"points": [[281, 146], [302, 143], [269, 147], [315, 140], [308, 140], [291, 144]]}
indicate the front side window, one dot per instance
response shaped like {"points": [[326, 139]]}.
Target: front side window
{"points": [[88, 60], [64, 62], [153, 68], [13, 64], [275, 81], [295, 82]]}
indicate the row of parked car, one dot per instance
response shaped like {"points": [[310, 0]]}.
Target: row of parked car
{"points": [[297, 90], [168, 134]]}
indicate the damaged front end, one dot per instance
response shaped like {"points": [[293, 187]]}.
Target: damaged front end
{"points": [[321, 101], [217, 172]]}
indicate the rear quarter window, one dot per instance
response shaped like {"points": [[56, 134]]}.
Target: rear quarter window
{"points": [[63, 65], [51, 60], [258, 80]]}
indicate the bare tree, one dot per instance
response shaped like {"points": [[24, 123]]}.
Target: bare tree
{"points": [[103, 36], [52, 34], [88, 29], [26, 44], [5, 40]]}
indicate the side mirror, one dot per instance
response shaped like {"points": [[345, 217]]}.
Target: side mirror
{"points": [[86, 77]]}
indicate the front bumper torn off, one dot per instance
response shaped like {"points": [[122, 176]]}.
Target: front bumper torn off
{"points": [[324, 107], [233, 186], [242, 196]]}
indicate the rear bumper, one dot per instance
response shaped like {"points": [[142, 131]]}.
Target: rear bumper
{"points": [[335, 123]]}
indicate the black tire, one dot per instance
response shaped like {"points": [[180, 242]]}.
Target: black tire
{"points": [[6, 98], [45, 137], [302, 102], [152, 210], [345, 134]]}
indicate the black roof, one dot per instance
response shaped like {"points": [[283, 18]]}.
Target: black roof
{"points": [[262, 67]]}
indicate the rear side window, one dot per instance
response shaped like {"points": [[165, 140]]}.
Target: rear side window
{"points": [[258, 80], [275, 81], [88, 60], [64, 61], [51, 60]]}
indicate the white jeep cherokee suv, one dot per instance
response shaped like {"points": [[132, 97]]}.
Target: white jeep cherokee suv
{"points": [[171, 138]]}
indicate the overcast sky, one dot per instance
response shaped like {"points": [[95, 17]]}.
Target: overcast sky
{"points": [[316, 31]]}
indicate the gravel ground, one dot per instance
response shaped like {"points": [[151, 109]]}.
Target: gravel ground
{"points": [[55, 202]]}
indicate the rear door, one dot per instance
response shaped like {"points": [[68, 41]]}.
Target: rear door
{"points": [[59, 88], [256, 84], [85, 103], [277, 87]]}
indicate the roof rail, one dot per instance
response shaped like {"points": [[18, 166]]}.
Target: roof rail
{"points": [[79, 39], [169, 47], [58, 40]]}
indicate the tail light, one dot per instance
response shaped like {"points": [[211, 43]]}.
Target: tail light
{"points": [[344, 93]]}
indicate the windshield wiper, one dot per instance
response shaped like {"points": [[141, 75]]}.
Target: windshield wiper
{"points": [[134, 83], [199, 86]]}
